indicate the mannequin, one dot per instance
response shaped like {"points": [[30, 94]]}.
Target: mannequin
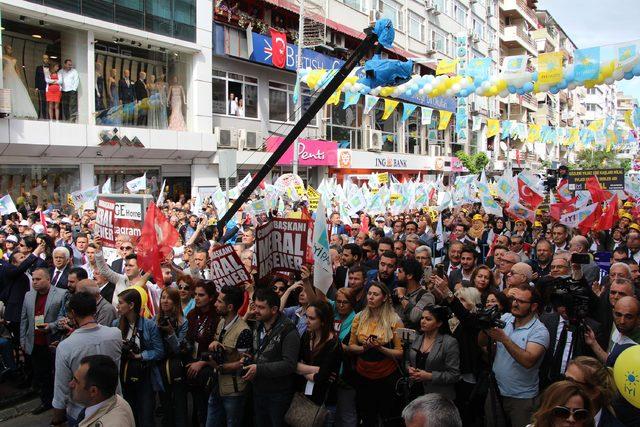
{"points": [[99, 101], [177, 99], [112, 88], [21, 105], [157, 103]]}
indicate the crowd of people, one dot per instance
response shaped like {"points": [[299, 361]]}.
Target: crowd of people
{"points": [[492, 321]]}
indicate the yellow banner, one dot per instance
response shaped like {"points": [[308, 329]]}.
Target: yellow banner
{"points": [[383, 178], [389, 106], [445, 117], [595, 125], [335, 98], [628, 120], [574, 136], [394, 197], [446, 66], [493, 127], [534, 133], [550, 68], [314, 198]]}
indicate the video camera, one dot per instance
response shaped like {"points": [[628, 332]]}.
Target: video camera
{"points": [[489, 317], [573, 295]]}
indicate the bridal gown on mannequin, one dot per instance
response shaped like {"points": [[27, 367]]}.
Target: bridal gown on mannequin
{"points": [[21, 105]]}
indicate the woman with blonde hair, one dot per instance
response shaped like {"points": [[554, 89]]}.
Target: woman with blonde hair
{"points": [[377, 347], [564, 404]]}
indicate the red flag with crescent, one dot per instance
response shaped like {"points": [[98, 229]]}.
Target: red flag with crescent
{"points": [[528, 197], [278, 48]]}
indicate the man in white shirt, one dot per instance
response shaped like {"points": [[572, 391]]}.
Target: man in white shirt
{"points": [[70, 82]]}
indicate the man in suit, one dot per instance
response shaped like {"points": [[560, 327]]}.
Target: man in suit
{"points": [[60, 270], [127, 95], [37, 330], [351, 255], [452, 261], [462, 275], [140, 89], [560, 235], [125, 248], [106, 287], [336, 226], [42, 72]]}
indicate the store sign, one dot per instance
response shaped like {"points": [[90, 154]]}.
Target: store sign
{"points": [[610, 179], [108, 137], [311, 152], [350, 159]]}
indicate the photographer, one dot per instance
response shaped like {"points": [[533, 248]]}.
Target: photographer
{"points": [[173, 329], [518, 354], [141, 347], [232, 339], [410, 298]]}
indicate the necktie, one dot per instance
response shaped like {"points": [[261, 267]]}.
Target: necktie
{"points": [[454, 267], [559, 352], [56, 276], [84, 259], [81, 415]]}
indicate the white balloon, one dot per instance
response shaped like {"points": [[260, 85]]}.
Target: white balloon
{"points": [[421, 91], [456, 87], [428, 88], [479, 91], [463, 83], [504, 93], [449, 92], [618, 75], [486, 85]]}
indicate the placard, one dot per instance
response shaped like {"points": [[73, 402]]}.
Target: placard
{"points": [[104, 225], [281, 245], [125, 215], [610, 179], [226, 268]]}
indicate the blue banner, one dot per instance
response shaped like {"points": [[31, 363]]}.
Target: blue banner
{"points": [[587, 63]]}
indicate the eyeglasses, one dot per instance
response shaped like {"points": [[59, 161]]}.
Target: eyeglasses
{"points": [[558, 266], [126, 248], [521, 301], [342, 302], [579, 414], [183, 287]]}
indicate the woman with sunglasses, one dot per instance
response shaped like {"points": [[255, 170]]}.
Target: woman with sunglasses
{"points": [[186, 288], [564, 404]]}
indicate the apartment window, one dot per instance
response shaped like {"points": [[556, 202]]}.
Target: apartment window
{"points": [[460, 13], [591, 91], [491, 36], [440, 41], [478, 28], [234, 94], [360, 5], [281, 105], [412, 136], [388, 128], [415, 25], [344, 125], [393, 10]]}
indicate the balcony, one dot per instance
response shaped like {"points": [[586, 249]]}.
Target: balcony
{"points": [[545, 41], [528, 101], [519, 8], [514, 37]]}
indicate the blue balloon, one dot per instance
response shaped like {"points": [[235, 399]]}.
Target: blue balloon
{"points": [[408, 92], [563, 84], [512, 89], [528, 87], [636, 70], [520, 91], [463, 93], [569, 77], [554, 89], [628, 75], [534, 76]]}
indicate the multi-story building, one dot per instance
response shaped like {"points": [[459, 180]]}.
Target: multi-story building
{"points": [[113, 125], [624, 103], [600, 102]]}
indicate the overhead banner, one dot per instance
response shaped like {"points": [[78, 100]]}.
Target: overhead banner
{"points": [[610, 179], [226, 268], [281, 246]]}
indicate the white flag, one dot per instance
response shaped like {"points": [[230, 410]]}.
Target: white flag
{"points": [[137, 184], [81, 197], [425, 115], [196, 208], [573, 219], [7, 206], [106, 187], [322, 271], [160, 200]]}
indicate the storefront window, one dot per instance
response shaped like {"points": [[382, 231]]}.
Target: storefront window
{"points": [[140, 87], [48, 185], [412, 136], [121, 174], [344, 125], [388, 128], [281, 105], [234, 94]]}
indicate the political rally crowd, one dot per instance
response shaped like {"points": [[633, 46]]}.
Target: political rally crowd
{"points": [[434, 317]]}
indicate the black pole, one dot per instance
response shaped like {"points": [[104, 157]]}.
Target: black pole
{"points": [[297, 129]]}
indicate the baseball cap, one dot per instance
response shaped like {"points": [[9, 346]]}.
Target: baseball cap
{"points": [[627, 215], [477, 217], [628, 204], [380, 219], [537, 224], [12, 238], [38, 228], [65, 221], [24, 223], [635, 226]]}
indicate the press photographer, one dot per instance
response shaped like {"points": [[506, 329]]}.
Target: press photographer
{"points": [[520, 348]]}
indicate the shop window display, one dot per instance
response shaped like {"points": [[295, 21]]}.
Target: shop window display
{"points": [[35, 185], [139, 87], [119, 176]]}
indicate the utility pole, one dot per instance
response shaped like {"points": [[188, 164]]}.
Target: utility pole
{"points": [[296, 151]]}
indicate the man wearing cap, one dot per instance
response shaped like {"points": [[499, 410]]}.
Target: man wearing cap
{"points": [[521, 230], [10, 244], [23, 226], [625, 220], [380, 223]]}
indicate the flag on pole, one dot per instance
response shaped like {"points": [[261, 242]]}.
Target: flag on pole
{"points": [[84, 196], [322, 270], [160, 200], [7, 206], [137, 184], [106, 187], [156, 242]]}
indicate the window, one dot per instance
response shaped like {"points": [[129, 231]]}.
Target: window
{"points": [[281, 105], [388, 128], [412, 135], [392, 10], [460, 13], [344, 125], [440, 41], [415, 25], [234, 94], [591, 91], [360, 5], [478, 28]]}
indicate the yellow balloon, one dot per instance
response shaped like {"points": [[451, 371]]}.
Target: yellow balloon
{"points": [[502, 85], [626, 373]]}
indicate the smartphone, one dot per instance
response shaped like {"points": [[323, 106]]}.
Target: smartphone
{"points": [[581, 258], [41, 326], [440, 270]]}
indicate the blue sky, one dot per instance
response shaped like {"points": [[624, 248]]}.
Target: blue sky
{"points": [[599, 22]]}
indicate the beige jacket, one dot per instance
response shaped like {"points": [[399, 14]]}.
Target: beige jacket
{"points": [[115, 412]]}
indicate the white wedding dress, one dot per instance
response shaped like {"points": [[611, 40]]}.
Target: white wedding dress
{"points": [[21, 105]]}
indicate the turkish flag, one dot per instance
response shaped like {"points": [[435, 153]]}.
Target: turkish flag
{"points": [[528, 198], [43, 220], [586, 225], [278, 48], [556, 210], [156, 241], [598, 195], [608, 217]]}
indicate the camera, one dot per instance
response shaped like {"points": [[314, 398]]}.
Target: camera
{"points": [[164, 321], [489, 317], [129, 348], [572, 294]]}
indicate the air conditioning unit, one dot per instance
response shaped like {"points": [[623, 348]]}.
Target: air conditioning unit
{"points": [[433, 8], [374, 15], [226, 138], [489, 11], [253, 141], [435, 150], [431, 47], [475, 38], [242, 138], [373, 139]]}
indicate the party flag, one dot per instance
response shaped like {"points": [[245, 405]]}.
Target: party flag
{"points": [[160, 200], [369, 102], [493, 127], [137, 184], [550, 67], [488, 203], [514, 64], [278, 48], [476, 124], [322, 270], [506, 129], [407, 111], [573, 219], [598, 194], [334, 99], [527, 196], [574, 135], [445, 117], [7, 206], [587, 63], [596, 125], [350, 98], [106, 187], [627, 53], [446, 66], [628, 119], [425, 115], [389, 106], [479, 68], [534, 133], [516, 210]]}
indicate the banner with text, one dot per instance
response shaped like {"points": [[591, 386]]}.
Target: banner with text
{"points": [[610, 179], [226, 267], [281, 246], [114, 217]]}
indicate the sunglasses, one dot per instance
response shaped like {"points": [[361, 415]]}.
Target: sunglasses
{"points": [[183, 287], [563, 412], [126, 248], [342, 302]]}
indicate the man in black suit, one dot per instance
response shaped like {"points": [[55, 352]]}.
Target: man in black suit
{"points": [[125, 248], [60, 270], [127, 94], [351, 255], [462, 275], [140, 88], [41, 86], [106, 288]]}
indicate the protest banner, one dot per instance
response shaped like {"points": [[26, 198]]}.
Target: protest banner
{"points": [[121, 214], [314, 198], [104, 225], [610, 179], [226, 267], [281, 245]]}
